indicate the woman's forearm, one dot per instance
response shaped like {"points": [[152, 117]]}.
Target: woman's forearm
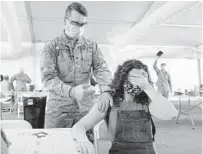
{"points": [[150, 91], [79, 131], [161, 108]]}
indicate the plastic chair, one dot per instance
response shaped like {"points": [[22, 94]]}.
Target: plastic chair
{"points": [[101, 141], [15, 124]]}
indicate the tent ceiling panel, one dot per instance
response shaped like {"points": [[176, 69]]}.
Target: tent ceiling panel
{"points": [[99, 32], [24, 29], [102, 33], [3, 32], [20, 9], [172, 36], [48, 9], [192, 16], [107, 11], [155, 5], [116, 11], [47, 30], [109, 19]]}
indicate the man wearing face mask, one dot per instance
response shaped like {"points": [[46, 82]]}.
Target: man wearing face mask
{"points": [[66, 64], [163, 83]]}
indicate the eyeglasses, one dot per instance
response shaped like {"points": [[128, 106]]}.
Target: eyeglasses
{"points": [[75, 23]]}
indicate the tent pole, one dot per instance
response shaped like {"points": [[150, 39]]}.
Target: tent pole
{"points": [[199, 70], [199, 62]]}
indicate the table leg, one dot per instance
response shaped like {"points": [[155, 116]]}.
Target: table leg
{"points": [[180, 109], [190, 116], [1, 110]]}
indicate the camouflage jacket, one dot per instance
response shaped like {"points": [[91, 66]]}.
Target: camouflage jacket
{"points": [[64, 64]]}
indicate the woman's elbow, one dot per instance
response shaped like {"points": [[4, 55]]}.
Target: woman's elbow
{"points": [[170, 116], [80, 126]]}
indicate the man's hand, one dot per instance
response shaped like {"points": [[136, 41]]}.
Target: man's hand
{"points": [[82, 92], [105, 100]]}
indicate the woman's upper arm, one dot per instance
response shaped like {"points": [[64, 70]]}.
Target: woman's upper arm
{"points": [[92, 118]]}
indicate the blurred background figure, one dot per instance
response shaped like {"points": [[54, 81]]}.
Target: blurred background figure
{"points": [[5, 84], [163, 83], [1, 77], [201, 90], [7, 94], [21, 80]]}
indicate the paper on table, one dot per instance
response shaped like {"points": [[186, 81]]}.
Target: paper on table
{"points": [[41, 141]]}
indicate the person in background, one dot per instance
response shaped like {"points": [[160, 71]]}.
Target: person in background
{"points": [[66, 63], [7, 91], [1, 77], [130, 126], [5, 84], [21, 80], [163, 83], [201, 90]]}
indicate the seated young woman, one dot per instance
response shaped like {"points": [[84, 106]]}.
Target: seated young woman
{"points": [[130, 126]]}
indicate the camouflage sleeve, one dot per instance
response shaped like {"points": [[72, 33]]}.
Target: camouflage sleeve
{"points": [[28, 79], [13, 78], [101, 71], [49, 73], [155, 66], [169, 82]]}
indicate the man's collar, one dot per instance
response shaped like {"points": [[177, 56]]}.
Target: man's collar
{"points": [[164, 71], [70, 42]]}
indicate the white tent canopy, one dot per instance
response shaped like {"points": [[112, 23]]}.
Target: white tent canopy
{"points": [[173, 24], [134, 29]]}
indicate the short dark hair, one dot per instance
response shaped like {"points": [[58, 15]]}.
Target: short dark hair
{"points": [[77, 7], [6, 77], [163, 64]]}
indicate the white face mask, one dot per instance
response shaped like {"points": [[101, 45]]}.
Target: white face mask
{"points": [[82, 31], [74, 31]]}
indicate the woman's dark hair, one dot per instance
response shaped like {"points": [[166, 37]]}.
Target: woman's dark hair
{"points": [[120, 76]]}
